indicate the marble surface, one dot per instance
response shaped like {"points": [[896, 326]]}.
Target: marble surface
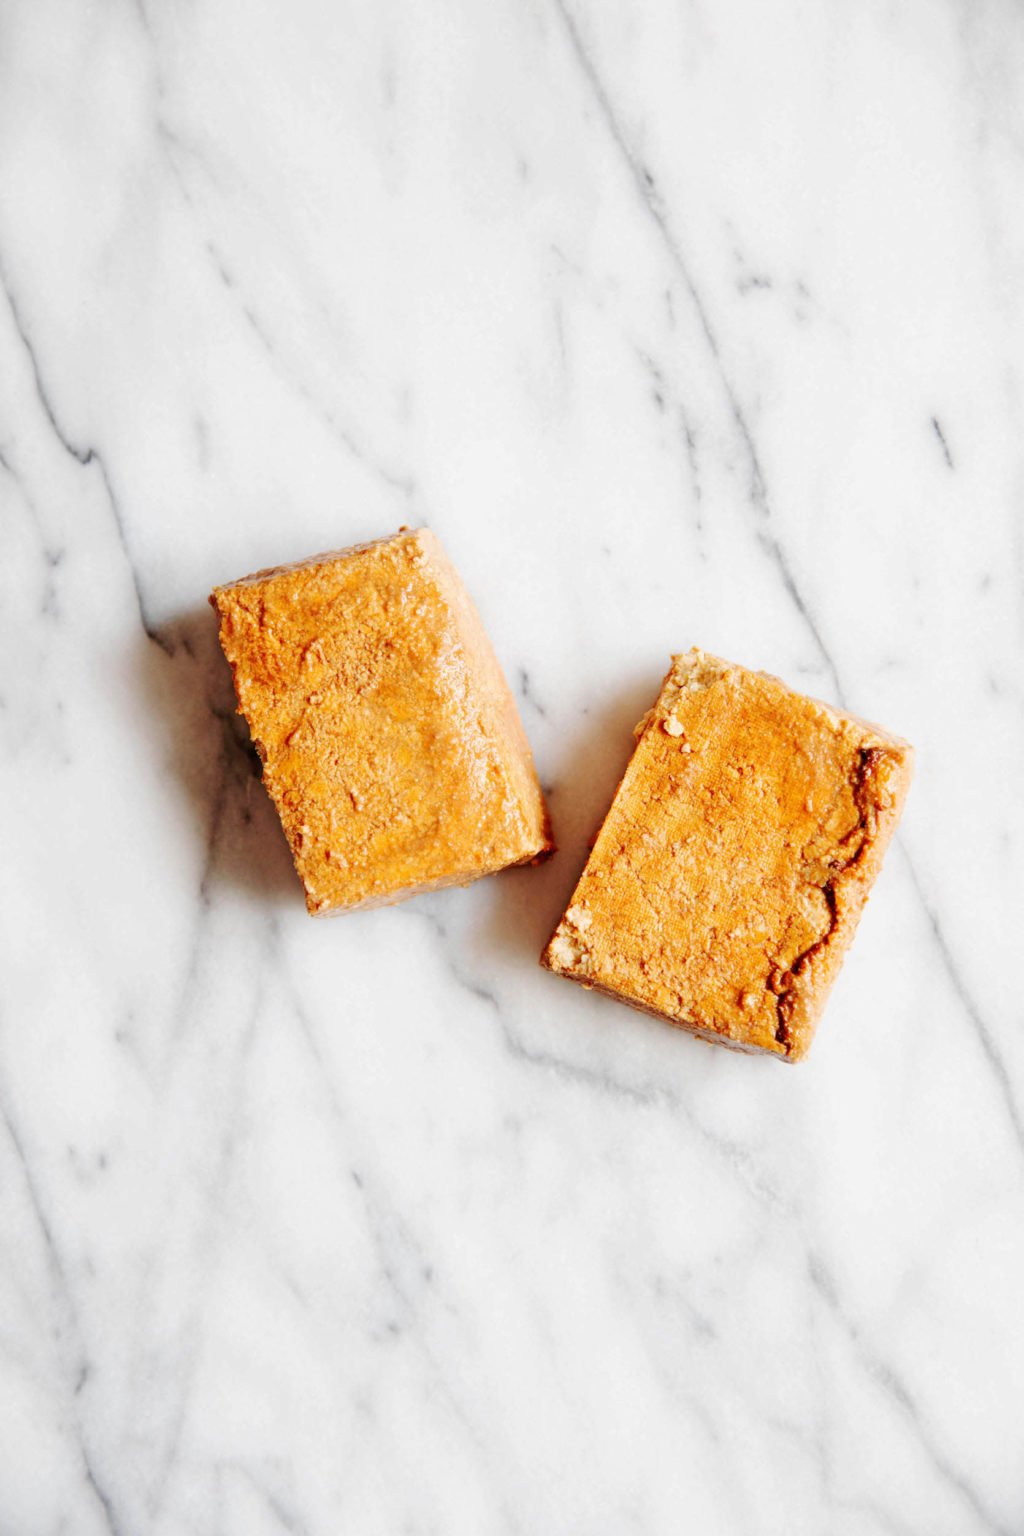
{"points": [[680, 323]]}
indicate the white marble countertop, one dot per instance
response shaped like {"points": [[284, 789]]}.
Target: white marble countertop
{"points": [[680, 324]]}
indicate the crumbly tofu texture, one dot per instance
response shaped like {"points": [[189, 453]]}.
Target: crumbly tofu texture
{"points": [[391, 743], [730, 873]]}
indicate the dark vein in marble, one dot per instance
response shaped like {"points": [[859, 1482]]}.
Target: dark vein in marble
{"points": [[960, 989], [114, 1525], [402, 483], [286, 1518], [84, 457], [943, 444], [172, 146], [52, 554], [209, 1230], [65, 1293], [659, 394], [393, 1241], [53, 1256], [526, 691], [690, 439], [650, 200], [658, 1096], [403, 1265], [884, 1519], [898, 1393], [390, 1235], [559, 1066]]}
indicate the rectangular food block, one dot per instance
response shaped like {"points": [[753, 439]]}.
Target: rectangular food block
{"points": [[731, 870], [391, 744]]}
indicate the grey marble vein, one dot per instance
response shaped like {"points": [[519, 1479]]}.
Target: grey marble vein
{"points": [[682, 326]]}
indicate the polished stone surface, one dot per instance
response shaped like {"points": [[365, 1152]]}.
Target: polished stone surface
{"points": [[680, 324]]}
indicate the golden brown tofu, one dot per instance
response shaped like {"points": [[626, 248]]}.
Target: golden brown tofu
{"points": [[730, 873], [391, 744]]}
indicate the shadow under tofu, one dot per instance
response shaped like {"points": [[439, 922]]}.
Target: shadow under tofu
{"points": [[188, 691], [527, 902]]}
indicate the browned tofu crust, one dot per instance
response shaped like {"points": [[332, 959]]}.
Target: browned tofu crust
{"points": [[729, 875], [391, 743]]}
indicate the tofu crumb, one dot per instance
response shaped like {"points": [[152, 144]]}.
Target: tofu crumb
{"points": [[568, 953]]}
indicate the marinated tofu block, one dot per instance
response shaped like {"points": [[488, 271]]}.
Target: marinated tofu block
{"points": [[730, 873], [390, 741]]}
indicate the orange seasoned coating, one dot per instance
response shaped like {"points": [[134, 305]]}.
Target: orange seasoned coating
{"points": [[730, 873], [391, 744]]}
